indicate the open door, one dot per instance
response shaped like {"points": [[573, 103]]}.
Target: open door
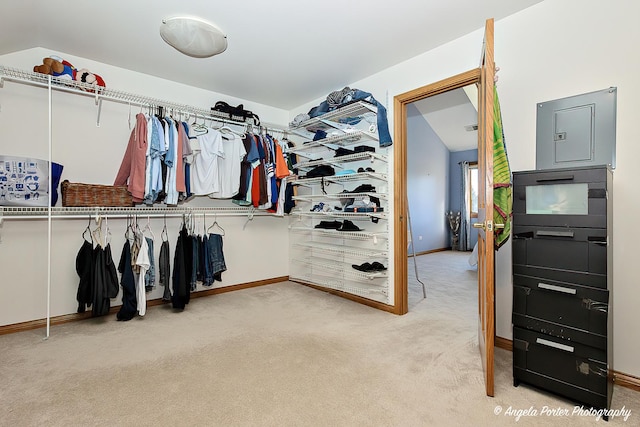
{"points": [[486, 289], [482, 76]]}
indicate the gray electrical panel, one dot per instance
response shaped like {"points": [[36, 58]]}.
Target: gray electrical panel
{"points": [[577, 131]]}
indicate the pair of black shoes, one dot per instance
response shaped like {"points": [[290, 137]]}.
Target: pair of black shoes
{"points": [[364, 149], [341, 151], [346, 225], [366, 267], [329, 225]]}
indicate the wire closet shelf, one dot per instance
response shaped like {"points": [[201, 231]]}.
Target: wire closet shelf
{"points": [[101, 93], [23, 213]]}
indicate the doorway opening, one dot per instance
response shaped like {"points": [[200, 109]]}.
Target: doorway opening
{"points": [[401, 103], [442, 186]]}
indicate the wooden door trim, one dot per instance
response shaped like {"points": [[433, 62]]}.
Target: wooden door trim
{"points": [[400, 174]]}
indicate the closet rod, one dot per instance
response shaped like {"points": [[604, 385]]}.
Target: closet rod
{"points": [[120, 215], [155, 212], [99, 92]]}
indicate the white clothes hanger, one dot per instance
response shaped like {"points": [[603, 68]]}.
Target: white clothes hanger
{"points": [[107, 231], [215, 224], [226, 129], [199, 128], [165, 234], [97, 234], [147, 228], [129, 233]]}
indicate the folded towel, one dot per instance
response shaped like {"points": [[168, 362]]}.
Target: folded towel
{"points": [[502, 186]]}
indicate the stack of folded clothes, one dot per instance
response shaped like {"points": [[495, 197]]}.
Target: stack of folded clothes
{"points": [[321, 207], [365, 205], [341, 151], [318, 171], [364, 188]]}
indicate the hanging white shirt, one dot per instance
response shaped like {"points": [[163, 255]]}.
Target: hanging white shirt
{"points": [[144, 263], [229, 167], [204, 170]]}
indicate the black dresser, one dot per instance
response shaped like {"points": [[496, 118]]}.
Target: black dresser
{"points": [[562, 279]]}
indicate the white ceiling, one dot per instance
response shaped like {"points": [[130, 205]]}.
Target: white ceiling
{"points": [[281, 53], [449, 114]]}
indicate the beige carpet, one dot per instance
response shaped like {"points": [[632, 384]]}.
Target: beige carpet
{"points": [[278, 355]]}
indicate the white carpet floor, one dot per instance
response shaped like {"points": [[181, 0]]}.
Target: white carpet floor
{"points": [[279, 355]]}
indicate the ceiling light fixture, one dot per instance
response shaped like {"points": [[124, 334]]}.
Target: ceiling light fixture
{"points": [[193, 36]]}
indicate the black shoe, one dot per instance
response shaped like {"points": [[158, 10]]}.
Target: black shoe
{"points": [[376, 266], [364, 188], [348, 226], [364, 149], [329, 225], [365, 267], [341, 151]]}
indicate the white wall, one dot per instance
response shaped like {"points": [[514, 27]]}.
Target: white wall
{"points": [[548, 51], [427, 183], [92, 154]]}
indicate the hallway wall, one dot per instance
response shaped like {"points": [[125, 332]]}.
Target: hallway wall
{"points": [[427, 183]]}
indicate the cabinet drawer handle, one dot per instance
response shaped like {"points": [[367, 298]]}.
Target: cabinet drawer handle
{"points": [[556, 178], [599, 306], [525, 235], [557, 288], [559, 346], [597, 240], [555, 233]]}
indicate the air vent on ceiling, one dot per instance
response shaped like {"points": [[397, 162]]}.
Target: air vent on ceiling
{"points": [[471, 128]]}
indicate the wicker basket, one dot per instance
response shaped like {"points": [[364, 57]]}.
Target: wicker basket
{"points": [[94, 195]]}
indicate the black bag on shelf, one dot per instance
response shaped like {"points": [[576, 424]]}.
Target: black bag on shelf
{"points": [[236, 113]]}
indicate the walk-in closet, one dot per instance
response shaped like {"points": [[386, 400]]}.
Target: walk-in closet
{"points": [[93, 134]]}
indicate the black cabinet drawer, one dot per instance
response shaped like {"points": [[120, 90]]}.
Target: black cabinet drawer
{"points": [[568, 175], [562, 197], [573, 249], [563, 310], [575, 370], [586, 279]]}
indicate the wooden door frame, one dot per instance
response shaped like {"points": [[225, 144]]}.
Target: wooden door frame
{"points": [[401, 292]]}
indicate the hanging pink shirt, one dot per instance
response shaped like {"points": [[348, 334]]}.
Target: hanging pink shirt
{"points": [[132, 169]]}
